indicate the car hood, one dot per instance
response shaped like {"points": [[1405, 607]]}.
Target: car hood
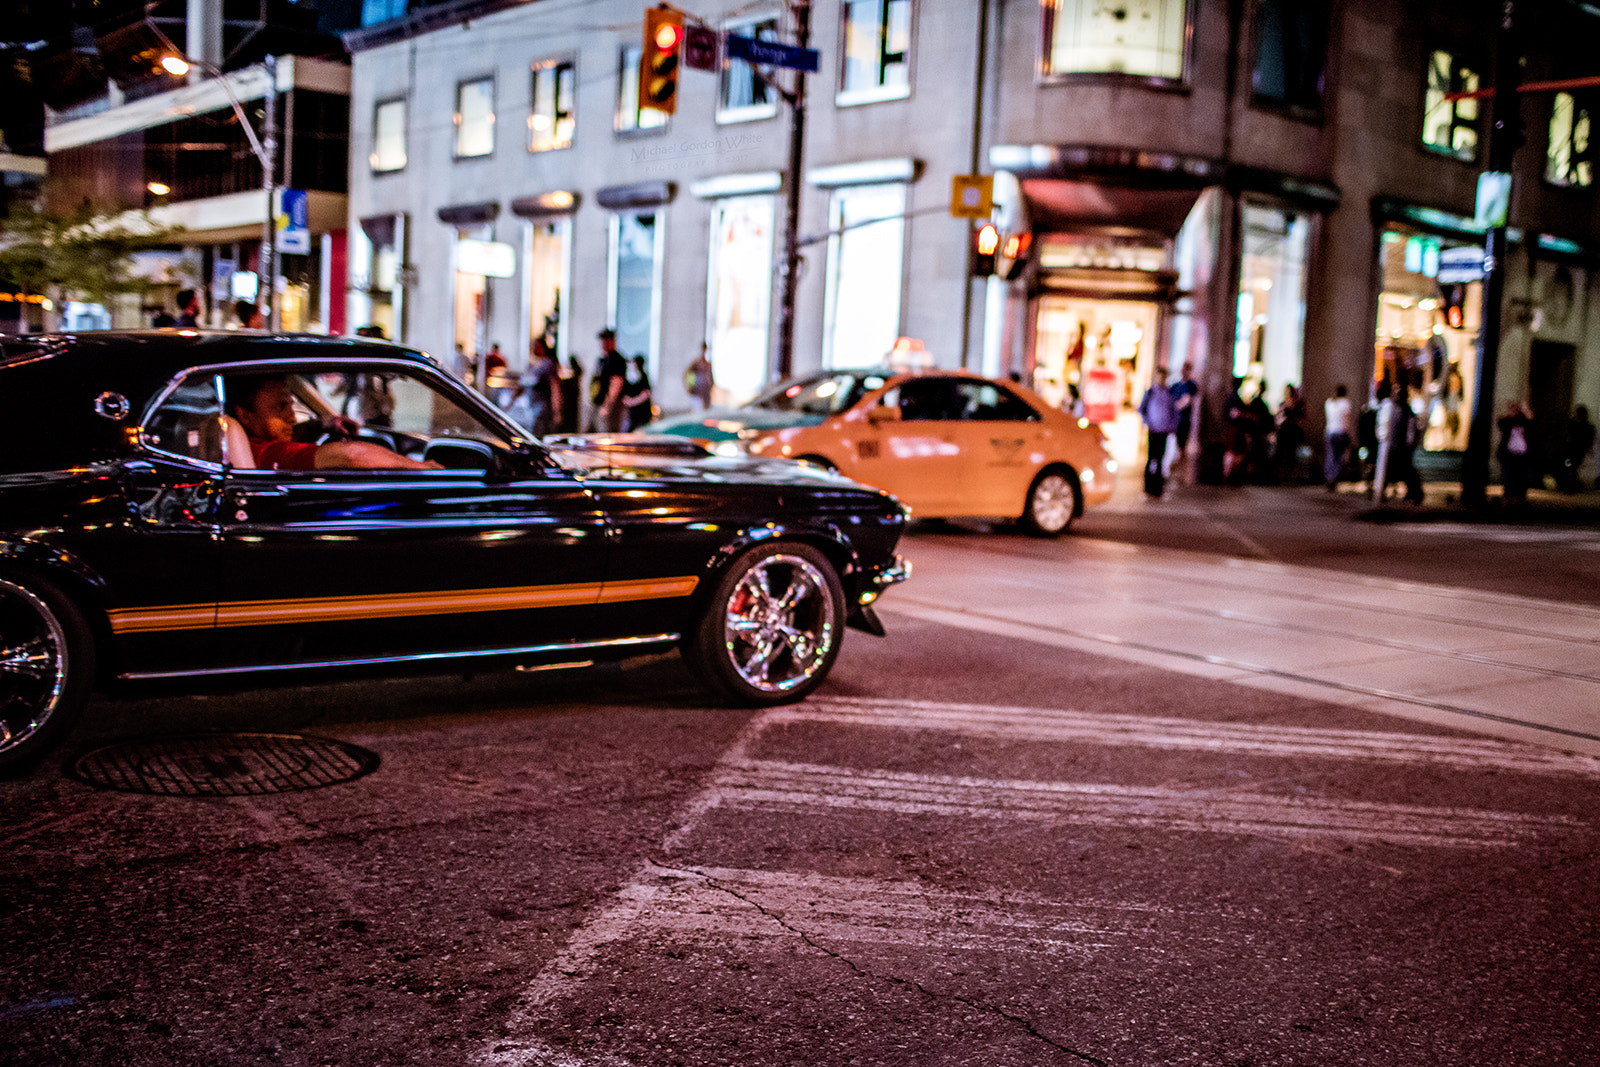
{"points": [[725, 424], [665, 457]]}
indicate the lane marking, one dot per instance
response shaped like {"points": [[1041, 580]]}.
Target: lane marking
{"points": [[1178, 659], [1054, 725], [774, 785]]}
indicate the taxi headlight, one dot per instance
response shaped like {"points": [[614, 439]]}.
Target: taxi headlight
{"points": [[729, 448]]}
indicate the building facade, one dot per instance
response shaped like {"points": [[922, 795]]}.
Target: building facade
{"points": [[189, 144], [1265, 189]]}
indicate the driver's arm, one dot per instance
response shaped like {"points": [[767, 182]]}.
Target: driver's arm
{"points": [[365, 455]]}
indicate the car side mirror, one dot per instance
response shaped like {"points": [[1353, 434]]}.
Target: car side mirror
{"points": [[883, 413]]}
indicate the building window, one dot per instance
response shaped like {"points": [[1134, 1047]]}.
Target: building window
{"points": [[635, 282], [475, 118], [1291, 54], [1269, 333], [739, 294], [630, 116], [865, 264], [745, 92], [1450, 126], [1569, 160], [877, 51], [389, 136], [550, 118], [1143, 38]]}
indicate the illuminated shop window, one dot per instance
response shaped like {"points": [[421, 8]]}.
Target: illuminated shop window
{"points": [[866, 257], [1450, 126], [739, 293], [1144, 38]]}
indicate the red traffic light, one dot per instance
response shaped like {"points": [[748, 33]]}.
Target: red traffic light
{"points": [[668, 35]]}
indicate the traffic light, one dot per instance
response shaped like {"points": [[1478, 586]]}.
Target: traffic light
{"points": [[658, 63], [1454, 296], [985, 243], [1014, 256]]}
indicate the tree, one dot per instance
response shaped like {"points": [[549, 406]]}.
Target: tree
{"points": [[84, 254]]}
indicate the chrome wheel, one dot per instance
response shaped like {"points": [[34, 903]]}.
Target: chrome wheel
{"points": [[772, 629], [1052, 503], [36, 663]]}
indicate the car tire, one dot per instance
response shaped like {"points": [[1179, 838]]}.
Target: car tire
{"points": [[772, 627], [1052, 503], [46, 669]]}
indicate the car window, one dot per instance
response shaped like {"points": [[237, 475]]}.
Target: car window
{"points": [[822, 395], [178, 425], [925, 400], [988, 402], [381, 403]]}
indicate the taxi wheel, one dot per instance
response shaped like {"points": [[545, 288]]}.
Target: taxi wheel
{"points": [[772, 628], [818, 462], [46, 669], [1052, 503]]}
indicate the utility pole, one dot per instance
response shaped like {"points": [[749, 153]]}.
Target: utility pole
{"points": [[1504, 136], [269, 167], [791, 216]]}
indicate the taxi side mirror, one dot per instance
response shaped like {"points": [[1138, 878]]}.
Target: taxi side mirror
{"points": [[883, 413]]}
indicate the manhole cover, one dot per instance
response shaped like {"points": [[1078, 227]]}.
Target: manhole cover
{"points": [[223, 765]]}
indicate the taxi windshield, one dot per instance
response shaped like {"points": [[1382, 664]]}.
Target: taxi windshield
{"points": [[822, 395]]}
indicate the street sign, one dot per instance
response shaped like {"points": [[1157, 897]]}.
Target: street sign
{"points": [[972, 196], [294, 236], [1463, 264], [700, 47], [772, 54]]}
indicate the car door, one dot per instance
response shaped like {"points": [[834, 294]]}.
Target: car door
{"points": [[348, 566], [1001, 443], [160, 564], [914, 453]]}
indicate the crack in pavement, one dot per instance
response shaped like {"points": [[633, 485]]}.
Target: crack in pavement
{"points": [[780, 921]]}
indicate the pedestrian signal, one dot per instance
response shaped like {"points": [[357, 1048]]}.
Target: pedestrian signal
{"points": [[1454, 297], [658, 63], [985, 243]]}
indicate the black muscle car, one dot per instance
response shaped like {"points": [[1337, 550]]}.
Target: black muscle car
{"points": [[144, 540]]}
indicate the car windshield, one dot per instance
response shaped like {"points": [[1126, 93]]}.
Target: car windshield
{"points": [[821, 394]]}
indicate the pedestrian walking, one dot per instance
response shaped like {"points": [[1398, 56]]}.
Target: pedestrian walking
{"points": [[1337, 416], [1160, 420], [1185, 399], [698, 380], [1580, 438], [1515, 454], [1289, 434], [188, 308], [570, 397], [537, 394], [638, 401], [605, 388]]}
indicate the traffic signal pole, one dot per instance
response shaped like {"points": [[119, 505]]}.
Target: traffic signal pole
{"points": [[1504, 136], [791, 213]]}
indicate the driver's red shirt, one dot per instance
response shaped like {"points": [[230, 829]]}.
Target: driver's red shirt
{"points": [[284, 455]]}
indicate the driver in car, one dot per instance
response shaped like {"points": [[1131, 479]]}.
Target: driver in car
{"points": [[264, 406]]}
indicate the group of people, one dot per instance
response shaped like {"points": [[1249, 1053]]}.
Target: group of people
{"points": [[548, 395], [1168, 414], [248, 315]]}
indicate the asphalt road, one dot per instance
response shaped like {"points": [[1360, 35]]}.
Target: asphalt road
{"points": [[970, 848]]}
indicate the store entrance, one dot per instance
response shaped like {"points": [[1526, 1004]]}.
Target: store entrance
{"points": [[1076, 335]]}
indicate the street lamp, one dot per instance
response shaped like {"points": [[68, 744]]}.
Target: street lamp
{"points": [[266, 149]]}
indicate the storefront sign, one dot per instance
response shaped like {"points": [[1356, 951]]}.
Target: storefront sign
{"points": [[492, 259], [1463, 264], [1100, 395], [294, 233]]}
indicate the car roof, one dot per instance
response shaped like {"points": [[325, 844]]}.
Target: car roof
{"points": [[50, 384]]}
